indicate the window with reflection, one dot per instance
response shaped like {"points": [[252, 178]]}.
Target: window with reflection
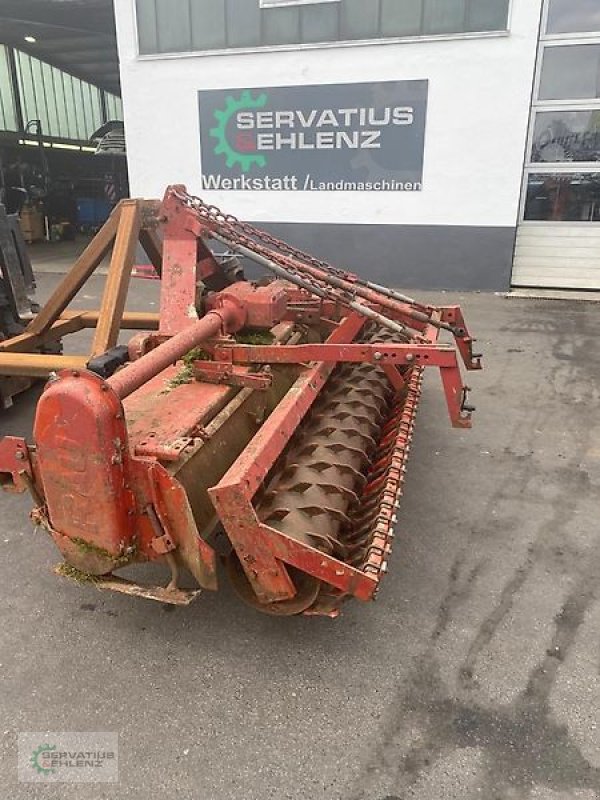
{"points": [[563, 198], [573, 16], [570, 72], [564, 136]]}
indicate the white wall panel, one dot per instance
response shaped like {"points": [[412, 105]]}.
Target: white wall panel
{"points": [[479, 96]]}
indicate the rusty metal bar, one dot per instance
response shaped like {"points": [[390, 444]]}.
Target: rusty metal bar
{"points": [[78, 275], [430, 355], [374, 295], [309, 559], [132, 320], [139, 372], [72, 322], [30, 341], [38, 365], [117, 282]]}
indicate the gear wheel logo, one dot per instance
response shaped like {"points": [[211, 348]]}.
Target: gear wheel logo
{"points": [[37, 759], [224, 148]]}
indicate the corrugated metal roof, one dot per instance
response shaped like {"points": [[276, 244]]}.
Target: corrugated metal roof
{"points": [[77, 36]]}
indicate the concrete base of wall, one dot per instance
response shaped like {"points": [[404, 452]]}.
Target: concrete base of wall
{"points": [[410, 256]]}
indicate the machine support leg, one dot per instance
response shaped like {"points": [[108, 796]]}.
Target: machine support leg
{"points": [[79, 274], [153, 248], [117, 282]]}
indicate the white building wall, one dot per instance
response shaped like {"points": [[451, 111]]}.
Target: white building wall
{"points": [[479, 100]]}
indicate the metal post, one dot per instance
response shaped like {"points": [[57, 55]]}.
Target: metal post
{"points": [[14, 80]]}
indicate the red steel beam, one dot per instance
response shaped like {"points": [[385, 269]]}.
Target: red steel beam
{"points": [[232, 496], [398, 354], [262, 452]]}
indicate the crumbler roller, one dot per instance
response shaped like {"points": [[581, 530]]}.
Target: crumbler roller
{"points": [[269, 421]]}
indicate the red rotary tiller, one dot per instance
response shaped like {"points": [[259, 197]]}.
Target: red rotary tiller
{"points": [[279, 412]]}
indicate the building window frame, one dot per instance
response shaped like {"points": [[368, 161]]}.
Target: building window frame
{"points": [[324, 45], [286, 3], [545, 36], [538, 106]]}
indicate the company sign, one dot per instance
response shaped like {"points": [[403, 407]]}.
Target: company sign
{"points": [[335, 137]]}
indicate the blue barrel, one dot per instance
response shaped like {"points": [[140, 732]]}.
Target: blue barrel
{"points": [[86, 212], [92, 212]]}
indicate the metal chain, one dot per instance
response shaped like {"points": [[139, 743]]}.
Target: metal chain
{"points": [[294, 260], [242, 233], [214, 213]]}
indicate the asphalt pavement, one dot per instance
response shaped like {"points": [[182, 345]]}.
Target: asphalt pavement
{"points": [[475, 674]]}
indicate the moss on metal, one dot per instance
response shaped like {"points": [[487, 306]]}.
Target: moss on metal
{"points": [[254, 336], [69, 571], [89, 547]]}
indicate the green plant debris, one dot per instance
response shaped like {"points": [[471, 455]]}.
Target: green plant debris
{"points": [[196, 354], [254, 336], [68, 571], [90, 547], [186, 373]]}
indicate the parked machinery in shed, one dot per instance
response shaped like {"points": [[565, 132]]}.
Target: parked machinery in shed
{"points": [[17, 303], [279, 412]]}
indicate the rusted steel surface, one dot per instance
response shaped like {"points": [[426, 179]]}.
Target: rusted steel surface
{"points": [[139, 372], [242, 304], [174, 596], [14, 460], [398, 354], [453, 315], [131, 320], [325, 465], [112, 583], [274, 435], [82, 452], [175, 514], [232, 497], [312, 494], [164, 410], [213, 372], [372, 523], [185, 260]]}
